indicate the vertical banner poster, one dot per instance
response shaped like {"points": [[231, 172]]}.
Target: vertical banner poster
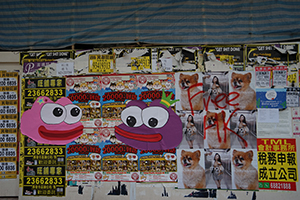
{"points": [[296, 121], [277, 164], [9, 109], [83, 154], [119, 161], [42, 166]]}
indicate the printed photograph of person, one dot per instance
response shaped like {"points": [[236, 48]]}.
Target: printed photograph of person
{"points": [[215, 84], [192, 127], [218, 169], [243, 123]]}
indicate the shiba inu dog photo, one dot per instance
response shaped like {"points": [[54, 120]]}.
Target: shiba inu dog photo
{"points": [[216, 137], [185, 83], [240, 83], [245, 175], [193, 175]]}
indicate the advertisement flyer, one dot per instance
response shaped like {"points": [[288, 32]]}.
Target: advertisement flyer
{"points": [[116, 91], [263, 77], [9, 108], [83, 157], [271, 98], [158, 166], [119, 163], [102, 62], [280, 76], [85, 92], [277, 163], [231, 56], [272, 54], [42, 166], [292, 96]]}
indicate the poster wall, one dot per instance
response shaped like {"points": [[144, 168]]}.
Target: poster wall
{"points": [[216, 111], [42, 166]]}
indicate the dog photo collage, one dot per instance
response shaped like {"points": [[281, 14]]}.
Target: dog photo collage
{"points": [[218, 115]]}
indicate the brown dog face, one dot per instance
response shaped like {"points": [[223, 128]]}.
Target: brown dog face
{"points": [[186, 81], [212, 119], [242, 160], [240, 81], [190, 159]]}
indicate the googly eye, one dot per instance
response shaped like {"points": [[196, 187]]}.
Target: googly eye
{"points": [[131, 116], [155, 117], [52, 113], [73, 113]]}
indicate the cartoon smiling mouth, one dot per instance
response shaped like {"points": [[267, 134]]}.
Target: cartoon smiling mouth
{"points": [[60, 135], [139, 137]]}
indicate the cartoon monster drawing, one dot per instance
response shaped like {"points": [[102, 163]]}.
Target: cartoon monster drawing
{"points": [[52, 123], [153, 127]]}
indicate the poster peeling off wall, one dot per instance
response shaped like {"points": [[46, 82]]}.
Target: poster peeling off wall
{"points": [[130, 60], [224, 57], [42, 166], [171, 59]]}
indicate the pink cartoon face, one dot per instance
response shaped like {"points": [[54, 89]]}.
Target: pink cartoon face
{"points": [[52, 123]]}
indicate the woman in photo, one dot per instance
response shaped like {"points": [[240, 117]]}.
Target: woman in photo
{"points": [[217, 170], [215, 89], [190, 131], [242, 130]]}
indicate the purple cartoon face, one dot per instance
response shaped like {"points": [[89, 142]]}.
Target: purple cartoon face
{"points": [[153, 127], [52, 123]]}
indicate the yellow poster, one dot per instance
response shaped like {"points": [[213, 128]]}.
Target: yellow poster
{"points": [[277, 163]]}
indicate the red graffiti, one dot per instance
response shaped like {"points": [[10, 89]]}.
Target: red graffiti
{"points": [[189, 95], [224, 128]]}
